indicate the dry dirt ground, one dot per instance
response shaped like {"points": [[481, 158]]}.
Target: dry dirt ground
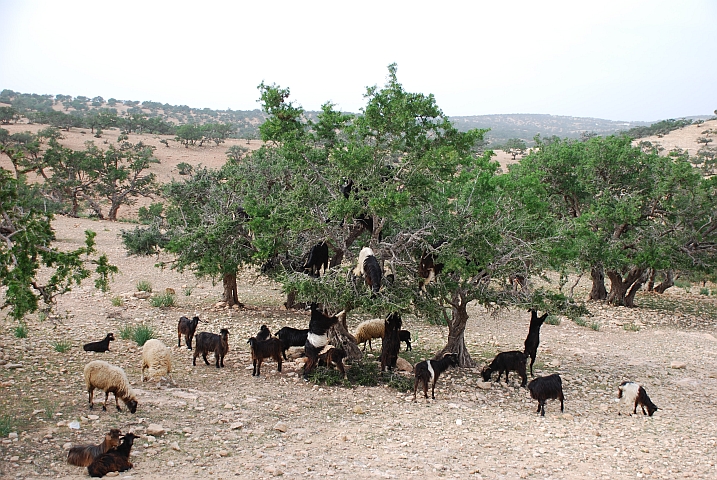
{"points": [[224, 423]]}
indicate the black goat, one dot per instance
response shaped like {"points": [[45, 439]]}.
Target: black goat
{"points": [[264, 334], [211, 342], [533, 339], [317, 338], [546, 388], [428, 269], [429, 371], [633, 393], [405, 336], [333, 355], [115, 460], [187, 328], [513, 361], [292, 337], [83, 455], [101, 346], [318, 257], [391, 344], [270, 348]]}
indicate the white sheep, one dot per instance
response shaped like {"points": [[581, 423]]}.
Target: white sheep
{"points": [[156, 358], [369, 329], [109, 378]]}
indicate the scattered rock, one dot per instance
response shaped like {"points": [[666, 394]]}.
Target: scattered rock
{"points": [[678, 365], [485, 385], [281, 427], [358, 410], [155, 430], [174, 446]]}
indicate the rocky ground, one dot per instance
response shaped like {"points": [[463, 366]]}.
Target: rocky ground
{"points": [[226, 424]]}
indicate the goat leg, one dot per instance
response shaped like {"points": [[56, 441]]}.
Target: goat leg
{"points": [[91, 393]]}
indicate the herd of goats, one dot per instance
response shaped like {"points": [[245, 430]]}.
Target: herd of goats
{"points": [[112, 454]]}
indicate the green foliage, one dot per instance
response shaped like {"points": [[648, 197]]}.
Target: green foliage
{"points": [[142, 333], [151, 215], [365, 373], [184, 168], [704, 291], [126, 332], [7, 424], [144, 286], [595, 326], [188, 291], [162, 301], [552, 320], [117, 301], [660, 128], [514, 147], [61, 345], [631, 327], [21, 330], [144, 241], [580, 321]]}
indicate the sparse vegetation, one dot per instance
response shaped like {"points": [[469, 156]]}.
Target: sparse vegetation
{"points": [[21, 331], [580, 321], [144, 286], [552, 320], [162, 300], [595, 326], [631, 327], [61, 345], [117, 301], [6, 425]]}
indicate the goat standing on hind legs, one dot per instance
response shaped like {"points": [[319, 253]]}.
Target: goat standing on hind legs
{"points": [[533, 339]]}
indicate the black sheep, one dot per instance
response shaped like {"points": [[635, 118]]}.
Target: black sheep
{"points": [[391, 343], [513, 361], [187, 328], [101, 346], [211, 342], [292, 337], [533, 339], [547, 388], [429, 371], [115, 460]]}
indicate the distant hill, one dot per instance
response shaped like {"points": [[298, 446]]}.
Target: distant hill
{"points": [[67, 111]]}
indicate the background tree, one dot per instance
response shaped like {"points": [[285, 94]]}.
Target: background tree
{"points": [[515, 147], [8, 115], [26, 245]]}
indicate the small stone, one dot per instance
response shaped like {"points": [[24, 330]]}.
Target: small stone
{"points": [[485, 385], [358, 410], [67, 446], [678, 365], [112, 474], [223, 453], [646, 470], [174, 446], [155, 429], [567, 416], [14, 458], [229, 406], [170, 463], [459, 422], [187, 429], [281, 427], [12, 435], [236, 425], [93, 417]]}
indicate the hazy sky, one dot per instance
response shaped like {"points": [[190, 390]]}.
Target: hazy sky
{"points": [[617, 60]]}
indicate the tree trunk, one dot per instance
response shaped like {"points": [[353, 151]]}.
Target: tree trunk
{"points": [[456, 330], [229, 282], [668, 282], [598, 292], [619, 287], [339, 336], [651, 280], [112, 214]]}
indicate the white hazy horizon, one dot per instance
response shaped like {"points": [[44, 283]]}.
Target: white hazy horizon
{"points": [[615, 60]]}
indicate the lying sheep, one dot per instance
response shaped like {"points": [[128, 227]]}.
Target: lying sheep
{"points": [[101, 346], [109, 378], [83, 455], [211, 342], [156, 358], [368, 330], [260, 350], [632, 394], [506, 362], [547, 388], [115, 460]]}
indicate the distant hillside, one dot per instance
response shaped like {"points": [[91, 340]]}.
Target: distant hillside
{"points": [[65, 111], [526, 126]]}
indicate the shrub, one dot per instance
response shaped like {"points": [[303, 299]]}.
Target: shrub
{"points": [[162, 300], [552, 320], [21, 331], [144, 286], [184, 168], [595, 326], [704, 291], [61, 345], [580, 321], [631, 327], [365, 373], [126, 332], [187, 291], [117, 301], [142, 333], [6, 425]]}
